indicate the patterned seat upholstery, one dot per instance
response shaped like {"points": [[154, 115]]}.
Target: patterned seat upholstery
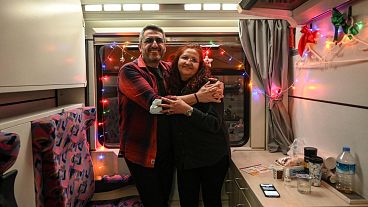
{"points": [[129, 201], [9, 149], [62, 161]]}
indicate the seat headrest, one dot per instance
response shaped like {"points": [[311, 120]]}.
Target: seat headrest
{"points": [[9, 149]]}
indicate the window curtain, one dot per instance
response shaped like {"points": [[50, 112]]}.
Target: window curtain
{"points": [[265, 43]]}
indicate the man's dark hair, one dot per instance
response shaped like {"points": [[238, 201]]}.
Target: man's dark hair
{"points": [[151, 27]]}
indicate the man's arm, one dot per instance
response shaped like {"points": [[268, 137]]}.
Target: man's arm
{"points": [[207, 93], [132, 84]]}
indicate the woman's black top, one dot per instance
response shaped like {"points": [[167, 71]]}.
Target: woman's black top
{"points": [[200, 139]]}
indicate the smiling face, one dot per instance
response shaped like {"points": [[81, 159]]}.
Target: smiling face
{"points": [[188, 64], [152, 47]]}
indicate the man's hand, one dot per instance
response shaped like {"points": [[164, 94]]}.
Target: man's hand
{"points": [[173, 105], [211, 92]]}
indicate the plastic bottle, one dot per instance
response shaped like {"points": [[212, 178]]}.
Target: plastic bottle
{"points": [[345, 170]]}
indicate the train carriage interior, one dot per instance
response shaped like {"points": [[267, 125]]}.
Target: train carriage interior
{"points": [[294, 84]]}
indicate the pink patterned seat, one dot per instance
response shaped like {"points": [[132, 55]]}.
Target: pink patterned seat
{"points": [[130, 201], [9, 149], [62, 161]]}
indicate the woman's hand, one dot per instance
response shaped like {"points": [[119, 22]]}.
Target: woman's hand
{"points": [[211, 92], [173, 105]]}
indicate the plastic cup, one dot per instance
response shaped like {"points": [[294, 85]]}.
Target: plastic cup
{"points": [[303, 183]]}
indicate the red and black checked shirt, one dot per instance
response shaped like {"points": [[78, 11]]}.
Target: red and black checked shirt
{"points": [[138, 128]]}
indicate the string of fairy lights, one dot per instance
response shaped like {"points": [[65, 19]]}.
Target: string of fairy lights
{"points": [[108, 55], [308, 53], [275, 92]]}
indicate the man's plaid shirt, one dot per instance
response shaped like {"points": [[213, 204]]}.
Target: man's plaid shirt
{"points": [[138, 128]]}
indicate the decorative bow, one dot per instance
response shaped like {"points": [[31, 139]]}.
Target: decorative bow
{"points": [[348, 25], [337, 20], [307, 37]]}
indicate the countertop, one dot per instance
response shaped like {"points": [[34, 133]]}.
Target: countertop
{"points": [[289, 195]]}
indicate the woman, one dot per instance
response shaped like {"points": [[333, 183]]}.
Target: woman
{"points": [[200, 138]]}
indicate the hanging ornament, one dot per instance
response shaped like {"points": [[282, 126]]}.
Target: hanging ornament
{"points": [[307, 37], [208, 61], [122, 59], [337, 20], [348, 25], [348, 22]]}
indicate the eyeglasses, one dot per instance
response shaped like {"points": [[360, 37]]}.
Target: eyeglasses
{"points": [[150, 40], [193, 60]]}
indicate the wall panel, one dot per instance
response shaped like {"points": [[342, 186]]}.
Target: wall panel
{"points": [[42, 45], [330, 104]]}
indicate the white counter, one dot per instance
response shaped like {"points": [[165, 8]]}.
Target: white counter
{"points": [[289, 196]]}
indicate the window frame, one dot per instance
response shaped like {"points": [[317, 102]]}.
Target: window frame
{"points": [[173, 39]]}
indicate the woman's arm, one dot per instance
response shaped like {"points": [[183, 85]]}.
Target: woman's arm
{"points": [[207, 93], [209, 120]]}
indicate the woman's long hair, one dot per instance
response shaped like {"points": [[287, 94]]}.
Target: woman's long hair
{"points": [[196, 82]]}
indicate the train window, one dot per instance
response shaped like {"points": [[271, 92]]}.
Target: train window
{"points": [[228, 65]]}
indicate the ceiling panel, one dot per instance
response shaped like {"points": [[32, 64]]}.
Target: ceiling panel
{"points": [[279, 4], [157, 1]]}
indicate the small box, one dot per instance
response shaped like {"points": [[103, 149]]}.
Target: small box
{"points": [[294, 170], [278, 173]]}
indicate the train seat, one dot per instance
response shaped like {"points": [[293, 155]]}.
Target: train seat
{"points": [[62, 162], [9, 149], [63, 167]]}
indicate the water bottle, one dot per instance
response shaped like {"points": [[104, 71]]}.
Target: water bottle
{"points": [[345, 170]]}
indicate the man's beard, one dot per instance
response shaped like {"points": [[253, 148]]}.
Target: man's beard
{"points": [[149, 58]]}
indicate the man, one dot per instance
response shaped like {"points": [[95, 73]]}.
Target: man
{"points": [[145, 138]]}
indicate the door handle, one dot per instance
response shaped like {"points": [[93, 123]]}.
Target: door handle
{"points": [[226, 186], [237, 183]]}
